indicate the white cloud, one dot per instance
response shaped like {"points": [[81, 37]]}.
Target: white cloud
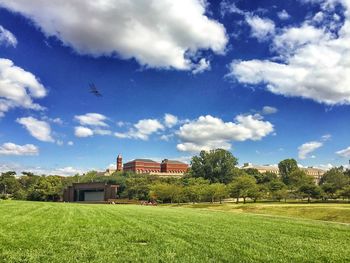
{"points": [[269, 110], [70, 143], [10, 148], [7, 38], [166, 137], [170, 120], [18, 87], [261, 28], [141, 130], [66, 171], [102, 132], [81, 131], [293, 38], [120, 123], [283, 15], [208, 132], [203, 65], [156, 33], [40, 130], [326, 137], [227, 7], [305, 149], [92, 119], [314, 63], [344, 153], [62, 171]]}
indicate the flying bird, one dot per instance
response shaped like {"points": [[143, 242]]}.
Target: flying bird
{"points": [[94, 90]]}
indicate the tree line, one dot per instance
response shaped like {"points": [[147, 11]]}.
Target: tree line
{"points": [[213, 176]]}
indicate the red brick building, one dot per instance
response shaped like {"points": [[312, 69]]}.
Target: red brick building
{"points": [[142, 166], [172, 166], [167, 167]]}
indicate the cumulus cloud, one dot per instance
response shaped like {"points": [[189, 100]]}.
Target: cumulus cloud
{"points": [[326, 137], [70, 143], [261, 28], [283, 15], [40, 130], [269, 110], [305, 149], [203, 65], [314, 62], [208, 132], [344, 153], [161, 34], [170, 120], [141, 130], [81, 131], [18, 87], [62, 171], [7, 38], [92, 119], [10, 148]]}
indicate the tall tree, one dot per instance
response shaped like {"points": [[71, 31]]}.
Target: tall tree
{"points": [[215, 165], [216, 191], [310, 190], [243, 187], [286, 167]]}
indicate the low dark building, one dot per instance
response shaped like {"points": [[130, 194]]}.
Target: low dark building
{"points": [[90, 192]]}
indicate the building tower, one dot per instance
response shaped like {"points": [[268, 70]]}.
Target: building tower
{"points": [[119, 163]]}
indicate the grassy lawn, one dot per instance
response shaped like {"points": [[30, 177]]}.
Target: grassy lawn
{"points": [[316, 211], [58, 232]]}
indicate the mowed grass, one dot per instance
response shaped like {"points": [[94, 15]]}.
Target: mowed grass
{"points": [[316, 211], [59, 232]]}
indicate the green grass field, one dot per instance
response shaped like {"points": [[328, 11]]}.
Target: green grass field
{"points": [[58, 232], [317, 211]]}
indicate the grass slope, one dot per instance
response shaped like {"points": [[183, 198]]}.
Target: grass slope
{"points": [[58, 232], [316, 211]]}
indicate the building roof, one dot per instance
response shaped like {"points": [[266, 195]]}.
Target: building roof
{"points": [[261, 167], [313, 169], [173, 161], [143, 160]]}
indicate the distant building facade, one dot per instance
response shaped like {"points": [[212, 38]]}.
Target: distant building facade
{"points": [[315, 173], [90, 192], [262, 168], [142, 166]]}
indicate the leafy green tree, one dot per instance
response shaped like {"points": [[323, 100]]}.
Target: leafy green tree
{"points": [[258, 192], [297, 178], [335, 176], [310, 191], [261, 178], [195, 189], [215, 165], [48, 188], [216, 191], [345, 192], [242, 187], [286, 167], [9, 183], [138, 187], [167, 192], [278, 190]]}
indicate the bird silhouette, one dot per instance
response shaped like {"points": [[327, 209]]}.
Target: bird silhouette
{"points": [[94, 90]]}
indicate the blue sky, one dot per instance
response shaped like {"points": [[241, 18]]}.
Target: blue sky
{"points": [[265, 79]]}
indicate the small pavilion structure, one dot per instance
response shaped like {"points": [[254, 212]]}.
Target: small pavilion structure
{"points": [[90, 192]]}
